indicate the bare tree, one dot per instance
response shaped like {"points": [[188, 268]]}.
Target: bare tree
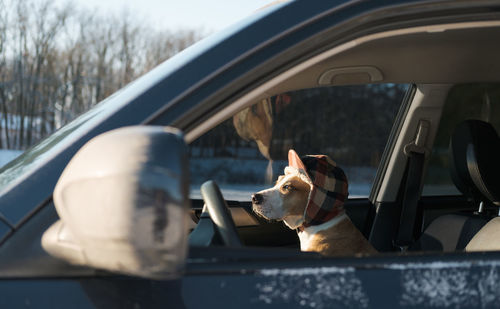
{"points": [[160, 46], [4, 111], [57, 62]]}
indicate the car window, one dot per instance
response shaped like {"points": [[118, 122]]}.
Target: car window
{"points": [[468, 101], [32, 158], [247, 152]]}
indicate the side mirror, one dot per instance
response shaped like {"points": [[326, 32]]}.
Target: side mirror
{"points": [[122, 202]]}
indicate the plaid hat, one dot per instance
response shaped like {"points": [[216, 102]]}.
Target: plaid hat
{"points": [[328, 187]]}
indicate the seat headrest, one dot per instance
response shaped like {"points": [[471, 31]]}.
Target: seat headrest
{"points": [[475, 160]]}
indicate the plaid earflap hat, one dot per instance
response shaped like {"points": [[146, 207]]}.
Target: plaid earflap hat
{"points": [[328, 187]]}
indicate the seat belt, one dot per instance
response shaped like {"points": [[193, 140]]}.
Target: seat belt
{"points": [[416, 152]]}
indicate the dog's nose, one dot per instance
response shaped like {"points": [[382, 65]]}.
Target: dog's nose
{"points": [[257, 198]]}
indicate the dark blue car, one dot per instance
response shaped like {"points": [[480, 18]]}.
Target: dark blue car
{"points": [[403, 95]]}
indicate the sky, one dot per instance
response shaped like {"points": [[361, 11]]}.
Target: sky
{"points": [[176, 14]]}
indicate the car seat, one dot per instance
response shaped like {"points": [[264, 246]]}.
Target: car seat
{"points": [[483, 160], [474, 166]]}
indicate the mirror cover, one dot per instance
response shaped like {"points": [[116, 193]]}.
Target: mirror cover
{"points": [[122, 202]]}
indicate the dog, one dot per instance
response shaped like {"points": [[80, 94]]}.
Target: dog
{"points": [[309, 198]]}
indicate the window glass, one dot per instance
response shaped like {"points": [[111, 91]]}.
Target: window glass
{"points": [[470, 101], [247, 153]]}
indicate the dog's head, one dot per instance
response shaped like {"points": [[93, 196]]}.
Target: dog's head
{"points": [[311, 192], [285, 201]]}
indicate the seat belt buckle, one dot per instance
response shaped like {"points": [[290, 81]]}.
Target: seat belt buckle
{"points": [[402, 245]]}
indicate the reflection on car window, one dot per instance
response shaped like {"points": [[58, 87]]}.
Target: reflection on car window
{"points": [[351, 124], [469, 101], [34, 157]]}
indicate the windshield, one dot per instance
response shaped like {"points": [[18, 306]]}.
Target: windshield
{"points": [[35, 157], [53, 144]]}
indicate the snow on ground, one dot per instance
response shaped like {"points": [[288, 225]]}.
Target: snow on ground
{"points": [[243, 193], [8, 155], [239, 178]]}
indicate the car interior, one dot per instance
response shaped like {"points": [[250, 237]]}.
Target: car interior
{"points": [[435, 60]]}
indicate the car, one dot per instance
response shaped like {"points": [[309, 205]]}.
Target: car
{"points": [[383, 87]]}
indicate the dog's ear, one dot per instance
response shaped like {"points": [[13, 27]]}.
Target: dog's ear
{"points": [[294, 160]]}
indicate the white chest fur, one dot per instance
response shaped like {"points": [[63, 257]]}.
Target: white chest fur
{"points": [[308, 233]]}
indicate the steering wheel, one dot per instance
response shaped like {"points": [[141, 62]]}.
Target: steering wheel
{"points": [[220, 214]]}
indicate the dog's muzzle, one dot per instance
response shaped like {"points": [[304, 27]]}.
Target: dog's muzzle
{"points": [[257, 198]]}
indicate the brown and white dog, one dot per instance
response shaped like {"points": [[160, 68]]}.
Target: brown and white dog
{"points": [[310, 198]]}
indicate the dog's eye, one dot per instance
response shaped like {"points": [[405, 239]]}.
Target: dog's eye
{"points": [[287, 187]]}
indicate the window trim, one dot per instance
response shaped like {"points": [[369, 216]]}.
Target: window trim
{"points": [[391, 141]]}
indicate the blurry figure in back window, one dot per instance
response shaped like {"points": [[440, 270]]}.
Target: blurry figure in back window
{"points": [[255, 123]]}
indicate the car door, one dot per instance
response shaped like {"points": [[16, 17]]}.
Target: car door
{"points": [[281, 278], [423, 279]]}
